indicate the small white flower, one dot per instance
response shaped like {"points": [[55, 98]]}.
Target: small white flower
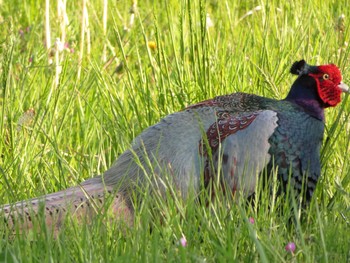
{"points": [[59, 45], [209, 22]]}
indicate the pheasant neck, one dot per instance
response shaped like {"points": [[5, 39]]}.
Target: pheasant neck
{"points": [[312, 107], [304, 94]]}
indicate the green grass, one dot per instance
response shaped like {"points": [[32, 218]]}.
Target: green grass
{"points": [[81, 125]]}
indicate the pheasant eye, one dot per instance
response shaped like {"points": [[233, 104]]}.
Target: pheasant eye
{"points": [[325, 76]]}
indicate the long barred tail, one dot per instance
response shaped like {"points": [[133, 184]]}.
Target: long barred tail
{"points": [[81, 202]]}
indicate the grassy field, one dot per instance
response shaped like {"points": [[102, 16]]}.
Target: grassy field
{"points": [[68, 108]]}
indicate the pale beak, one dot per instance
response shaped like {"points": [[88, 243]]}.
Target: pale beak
{"points": [[344, 87]]}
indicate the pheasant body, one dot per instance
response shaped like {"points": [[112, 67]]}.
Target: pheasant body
{"points": [[233, 138], [280, 129]]}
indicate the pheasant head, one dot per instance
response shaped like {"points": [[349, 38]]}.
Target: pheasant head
{"points": [[317, 87]]}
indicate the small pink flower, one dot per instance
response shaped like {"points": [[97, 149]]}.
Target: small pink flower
{"points": [[251, 220], [183, 241], [290, 247]]}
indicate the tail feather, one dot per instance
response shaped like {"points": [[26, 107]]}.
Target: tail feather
{"points": [[82, 202]]}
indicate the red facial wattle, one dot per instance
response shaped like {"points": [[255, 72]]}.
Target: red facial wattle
{"points": [[328, 84]]}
